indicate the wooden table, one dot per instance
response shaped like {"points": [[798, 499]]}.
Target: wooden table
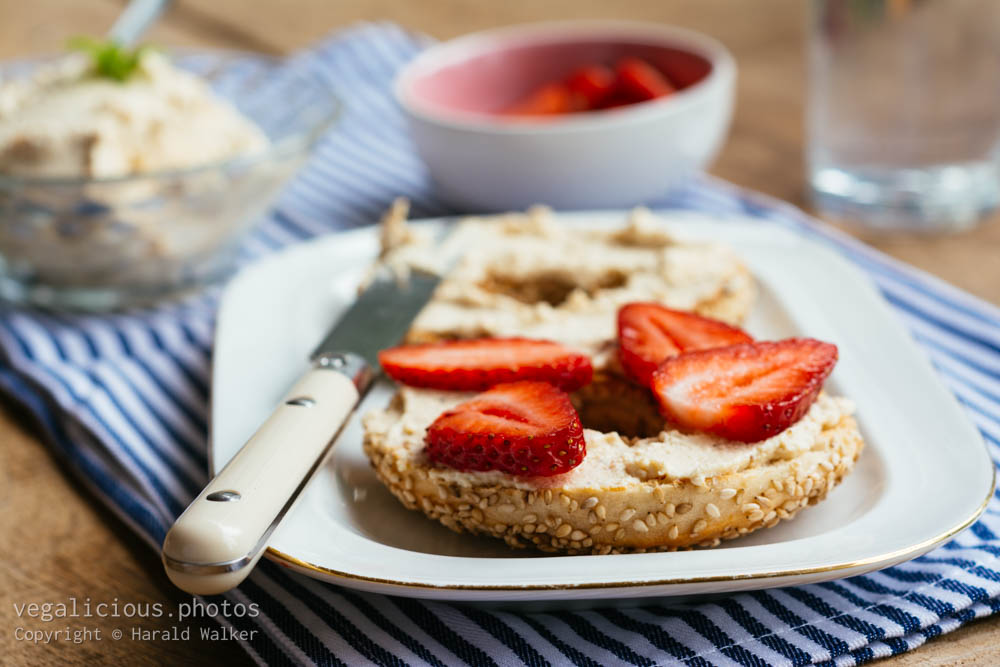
{"points": [[58, 542]]}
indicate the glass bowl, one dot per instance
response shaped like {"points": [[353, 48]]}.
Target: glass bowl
{"points": [[111, 243]]}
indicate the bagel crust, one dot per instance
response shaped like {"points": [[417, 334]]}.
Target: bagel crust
{"points": [[620, 515], [642, 486]]}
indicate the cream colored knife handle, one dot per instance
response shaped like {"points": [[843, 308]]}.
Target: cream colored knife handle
{"points": [[217, 541]]}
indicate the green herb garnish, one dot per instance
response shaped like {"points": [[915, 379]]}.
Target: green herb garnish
{"points": [[111, 60]]}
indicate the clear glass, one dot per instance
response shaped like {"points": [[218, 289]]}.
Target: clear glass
{"points": [[111, 243], [903, 113]]}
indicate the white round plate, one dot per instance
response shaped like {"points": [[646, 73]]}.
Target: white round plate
{"points": [[924, 476]]}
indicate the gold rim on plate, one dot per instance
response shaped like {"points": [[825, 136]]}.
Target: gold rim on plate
{"points": [[900, 554]]}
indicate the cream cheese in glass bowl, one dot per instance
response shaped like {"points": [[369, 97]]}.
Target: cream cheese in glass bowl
{"points": [[121, 193]]}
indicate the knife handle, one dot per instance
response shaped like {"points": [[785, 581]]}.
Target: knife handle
{"points": [[222, 534]]}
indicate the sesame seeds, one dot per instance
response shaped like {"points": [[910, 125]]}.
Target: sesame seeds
{"points": [[656, 515]]}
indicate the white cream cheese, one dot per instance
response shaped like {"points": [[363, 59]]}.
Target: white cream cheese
{"points": [[610, 459], [64, 121], [506, 260], [602, 270]]}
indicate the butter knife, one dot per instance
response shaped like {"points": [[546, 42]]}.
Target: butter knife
{"points": [[222, 534]]}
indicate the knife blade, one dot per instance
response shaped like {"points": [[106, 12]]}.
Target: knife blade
{"points": [[222, 534], [380, 316]]}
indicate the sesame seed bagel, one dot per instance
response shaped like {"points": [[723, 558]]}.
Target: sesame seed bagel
{"points": [[604, 507], [643, 485]]}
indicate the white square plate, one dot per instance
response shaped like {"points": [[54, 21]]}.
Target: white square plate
{"points": [[924, 475]]}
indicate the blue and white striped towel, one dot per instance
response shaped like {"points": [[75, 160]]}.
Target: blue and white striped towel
{"points": [[123, 398]]}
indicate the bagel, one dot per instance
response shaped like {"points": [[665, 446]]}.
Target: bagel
{"points": [[643, 485]]}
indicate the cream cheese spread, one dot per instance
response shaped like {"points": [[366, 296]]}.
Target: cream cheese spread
{"points": [[64, 121], [509, 265], [526, 275], [611, 460]]}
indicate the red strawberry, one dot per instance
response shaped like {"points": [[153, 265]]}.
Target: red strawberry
{"points": [[648, 333], [548, 100], [521, 428], [593, 84], [640, 81], [473, 365], [745, 392]]}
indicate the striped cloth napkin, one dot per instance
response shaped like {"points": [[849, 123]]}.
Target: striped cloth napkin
{"points": [[123, 398]]}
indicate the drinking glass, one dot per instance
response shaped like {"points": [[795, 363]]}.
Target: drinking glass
{"points": [[903, 113]]}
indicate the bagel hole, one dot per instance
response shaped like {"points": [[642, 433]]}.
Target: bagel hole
{"points": [[613, 404], [551, 288]]}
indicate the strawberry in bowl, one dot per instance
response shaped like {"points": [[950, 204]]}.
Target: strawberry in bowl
{"points": [[576, 114]]}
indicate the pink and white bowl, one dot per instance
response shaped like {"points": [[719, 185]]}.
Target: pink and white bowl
{"points": [[484, 161]]}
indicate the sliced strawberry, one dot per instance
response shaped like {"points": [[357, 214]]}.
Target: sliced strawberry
{"points": [[592, 84], [473, 365], [547, 100], [521, 428], [745, 392], [640, 81], [648, 333]]}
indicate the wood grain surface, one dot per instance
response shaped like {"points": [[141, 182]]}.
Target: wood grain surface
{"points": [[58, 542]]}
